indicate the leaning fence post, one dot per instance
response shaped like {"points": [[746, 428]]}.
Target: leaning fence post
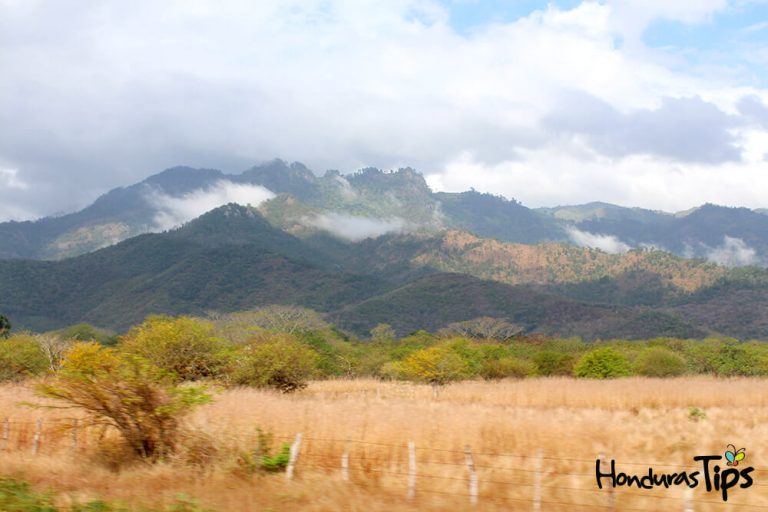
{"points": [[688, 500], [294, 455], [36, 438], [472, 475], [6, 433], [73, 446], [611, 496], [537, 482], [411, 470], [345, 463]]}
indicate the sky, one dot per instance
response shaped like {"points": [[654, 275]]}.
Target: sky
{"points": [[661, 104]]}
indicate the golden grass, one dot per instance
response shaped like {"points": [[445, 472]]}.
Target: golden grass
{"points": [[633, 420]]}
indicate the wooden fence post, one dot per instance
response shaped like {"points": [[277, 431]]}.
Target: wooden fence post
{"points": [[36, 438], [294, 455], [472, 475], [73, 446], [537, 482], [688, 500], [345, 463], [611, 495], [411, 470], [6, 433]]}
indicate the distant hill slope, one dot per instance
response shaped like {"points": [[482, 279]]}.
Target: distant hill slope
{"points": [[227, 260], [434, 301], [233, 259]]}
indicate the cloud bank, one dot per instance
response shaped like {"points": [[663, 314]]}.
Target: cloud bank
{"points": [[606, 243], [173, 211], [354, 228], [565, 103], [733, 252]]}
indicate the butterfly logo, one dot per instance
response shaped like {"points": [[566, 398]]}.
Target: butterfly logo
{"points": [[735, 456]]}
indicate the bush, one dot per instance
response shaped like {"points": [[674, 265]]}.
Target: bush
{"points": [[279, 362], [659, 362], [21, 357], [183, 346], [138, 399], [602, 363], [505, 367], [550, 362], [5, 327], [435, 365]]}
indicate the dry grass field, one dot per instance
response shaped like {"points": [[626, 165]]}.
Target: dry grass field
{"points": [[635, 421]]}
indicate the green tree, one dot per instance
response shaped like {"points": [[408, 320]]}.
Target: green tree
{"points": [[5, 326], [507, 367], [140, 400], [383, 333], [21, 357], [659, 362], [183, 346], [602, 363], [279, 362], [552, 362]]}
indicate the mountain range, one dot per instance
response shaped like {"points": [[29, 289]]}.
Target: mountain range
{"points": [[377, 247]]}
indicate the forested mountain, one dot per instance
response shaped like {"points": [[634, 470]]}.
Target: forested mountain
{"points": [[233, 258]]}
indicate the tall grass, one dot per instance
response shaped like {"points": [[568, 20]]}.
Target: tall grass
{"points": [[633, 420]]}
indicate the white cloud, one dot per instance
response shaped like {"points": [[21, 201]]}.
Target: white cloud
{"points": [[107, 95], [606, 243], [174, 211], [733, 252], [355, 228], [9, 178]]}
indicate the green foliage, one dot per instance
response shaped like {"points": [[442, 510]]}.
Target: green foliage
{"points": [[552, 362], [659, 362], [123, 390], [602, 363], [18, 497], [383, 333], [696, 414], [507, 367], [5, 326], [183, 346], [280, 362], [87, 332], [21, 357]]}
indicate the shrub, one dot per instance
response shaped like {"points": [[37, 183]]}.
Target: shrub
{"points": [[18, 496], [602, 363], [183, 346], [659, 362], [435, 365], [551, 362], [124, 391], [279, 362], [21, 357], [505, 367], [5, 327]]}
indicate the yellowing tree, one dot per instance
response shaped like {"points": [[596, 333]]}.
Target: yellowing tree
{"points": [[435, 365], [183, 346], [138, 399]]}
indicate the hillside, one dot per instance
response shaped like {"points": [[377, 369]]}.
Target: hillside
{"points": [[234, 259], [436, 300], [199, 267]]}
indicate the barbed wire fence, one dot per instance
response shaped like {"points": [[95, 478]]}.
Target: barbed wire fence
{"points": [[470, 469]]}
